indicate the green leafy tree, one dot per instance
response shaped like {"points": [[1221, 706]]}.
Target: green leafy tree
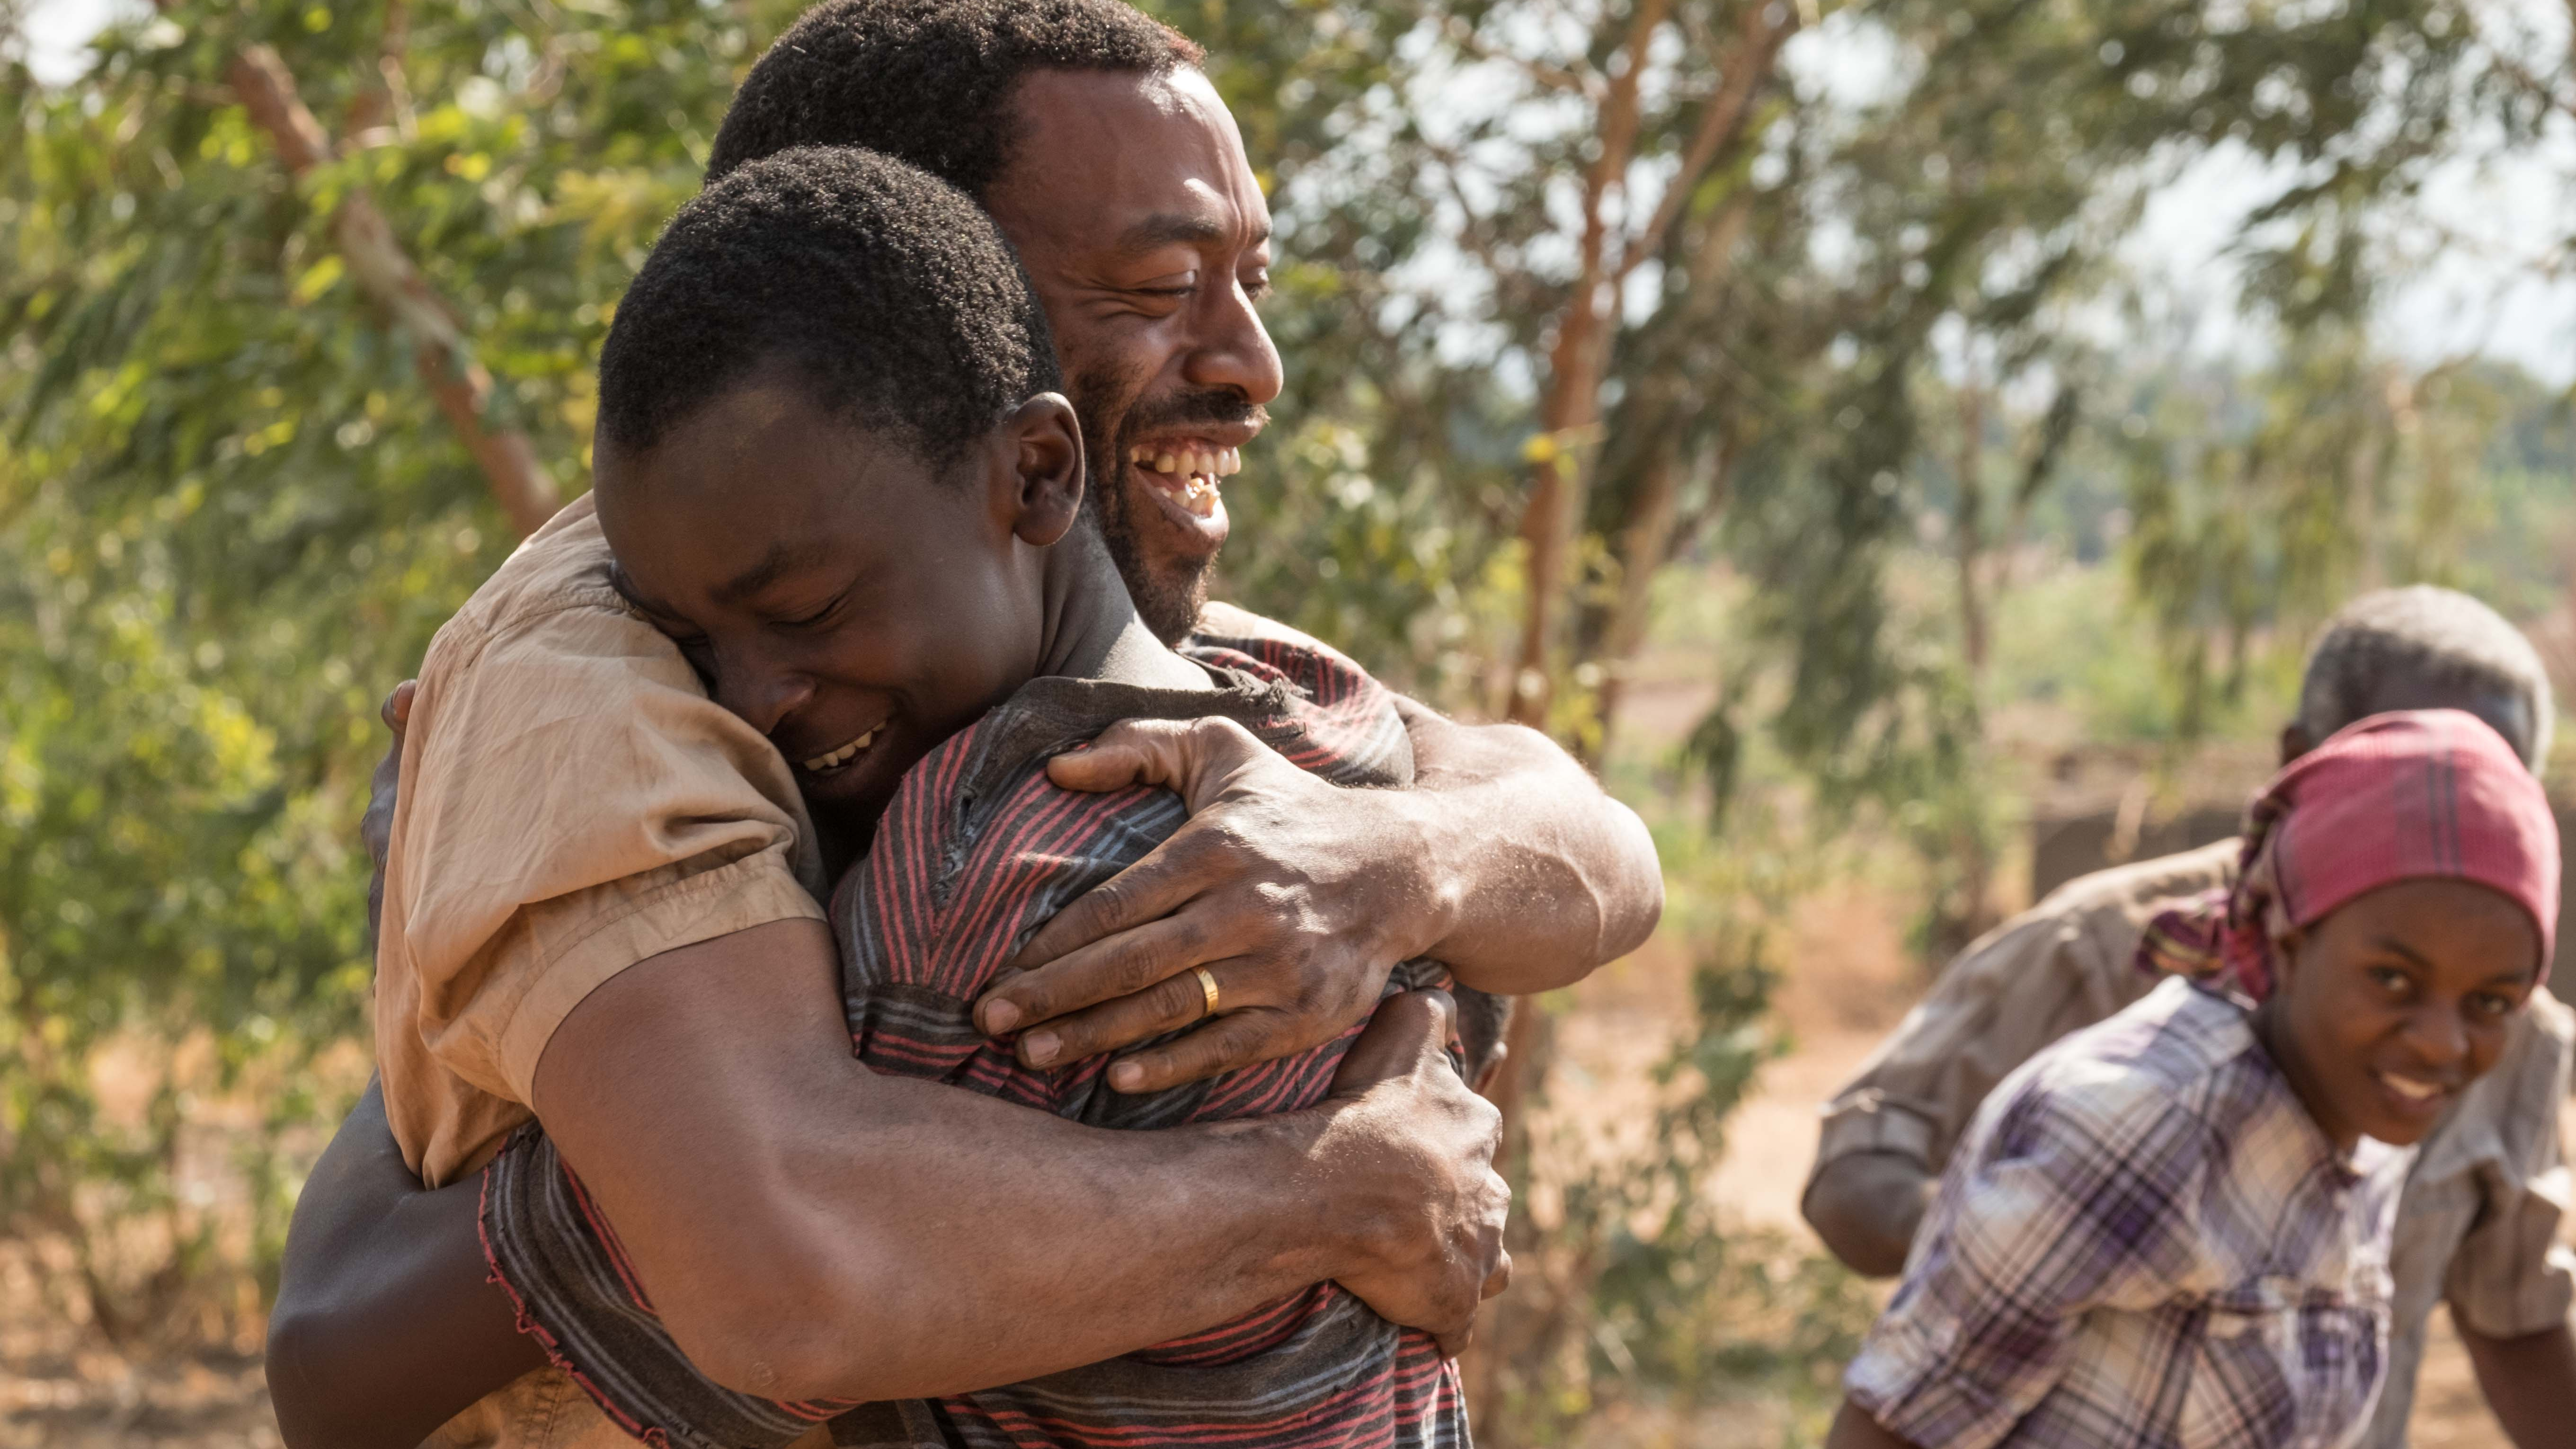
{"points": [[240, 484]]}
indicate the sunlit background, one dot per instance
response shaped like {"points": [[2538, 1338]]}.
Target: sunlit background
{"points": [[1920, 491]]}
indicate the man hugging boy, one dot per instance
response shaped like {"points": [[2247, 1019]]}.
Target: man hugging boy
{"points": [[833, 466]]}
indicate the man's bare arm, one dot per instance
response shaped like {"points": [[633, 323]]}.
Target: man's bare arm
{"points": [[1866, 1206], [1505, 862], [1552, 878], [809, 1229], [386, 1324]]}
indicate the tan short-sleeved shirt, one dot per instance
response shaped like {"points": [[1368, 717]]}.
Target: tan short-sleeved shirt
{"points": [[2477, 1224], [572, 803]]}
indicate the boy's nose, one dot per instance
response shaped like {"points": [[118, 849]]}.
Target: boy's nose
{"points": [[760, 694]]}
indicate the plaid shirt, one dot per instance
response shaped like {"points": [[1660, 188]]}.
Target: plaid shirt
{"points": [[977, 850], [2144, 1241]]}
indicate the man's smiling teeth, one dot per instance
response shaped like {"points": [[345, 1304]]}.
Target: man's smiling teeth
{"points": [[1210, 463], [842, 756], [2413, 1089], [1199, 468]]}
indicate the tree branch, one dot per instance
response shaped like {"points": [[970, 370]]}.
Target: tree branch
{"points": [[1721, 124], [441, 354], [1462, 34]]}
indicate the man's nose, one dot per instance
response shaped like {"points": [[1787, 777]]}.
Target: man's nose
{"points": [[758, 690], [1233, 350]]}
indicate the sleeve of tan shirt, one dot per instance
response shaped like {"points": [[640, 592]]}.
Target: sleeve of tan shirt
{"points": [[572, 803], [2512, 1275]]}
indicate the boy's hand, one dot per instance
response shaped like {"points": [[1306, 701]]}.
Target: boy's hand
{"points": [[1295, 895], [1410, 1135], [376, 827]]}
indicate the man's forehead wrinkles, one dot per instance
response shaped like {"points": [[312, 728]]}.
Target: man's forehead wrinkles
{"points": [[1194, 228]]}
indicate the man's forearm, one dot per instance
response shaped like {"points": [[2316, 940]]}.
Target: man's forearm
{"points": [[2530, 1382], [1538, 876], [811, 1229], [1866, 1207]]}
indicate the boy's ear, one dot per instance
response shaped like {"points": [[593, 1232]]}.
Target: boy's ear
{"points": [[1041, 490], [2285, 955], [1486, 1075]]}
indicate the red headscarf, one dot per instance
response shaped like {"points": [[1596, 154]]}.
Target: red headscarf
{"points": [[2431, 793]]}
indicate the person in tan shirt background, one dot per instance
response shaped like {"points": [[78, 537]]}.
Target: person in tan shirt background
{"points": [[2479, 1217], [598, 905]]}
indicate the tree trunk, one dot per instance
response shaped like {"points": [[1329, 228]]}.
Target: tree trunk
{"points": [[1573, 397], [440, 353], [1971, 520], [1579, 359]]}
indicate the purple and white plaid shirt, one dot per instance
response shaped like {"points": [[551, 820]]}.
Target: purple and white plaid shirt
{"points": [[2144, 1240]]}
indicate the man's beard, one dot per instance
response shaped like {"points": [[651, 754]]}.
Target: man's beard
{"points": [[1168, 599]]}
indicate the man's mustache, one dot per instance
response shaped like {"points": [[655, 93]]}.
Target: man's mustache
{"points": [[1219, 406]]}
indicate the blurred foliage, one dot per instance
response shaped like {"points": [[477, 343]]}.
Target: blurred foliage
{"points": [[1630, 1281], [230, 519]]}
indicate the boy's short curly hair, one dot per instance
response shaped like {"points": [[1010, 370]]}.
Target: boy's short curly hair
{"points": [[929, 81], [880, 288]]}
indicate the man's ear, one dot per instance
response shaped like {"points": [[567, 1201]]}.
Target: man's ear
{"points": [[1487, 1074], [1039, 491], [2295, 741]]}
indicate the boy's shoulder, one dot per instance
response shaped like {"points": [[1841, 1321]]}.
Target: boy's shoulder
{"points": [[2180, 1050], [564, 565], [1344, 723]]}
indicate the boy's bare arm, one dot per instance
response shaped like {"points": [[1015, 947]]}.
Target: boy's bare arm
{"points": [[809, 1229], [385, 1326], [1505, 861]]}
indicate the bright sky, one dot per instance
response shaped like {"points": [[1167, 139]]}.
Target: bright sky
{"points": [[2481, 296]]}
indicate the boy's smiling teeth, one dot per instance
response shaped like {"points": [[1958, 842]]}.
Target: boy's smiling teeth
{"points": [[2413, 1089], [1200, 466], [842, 756]]}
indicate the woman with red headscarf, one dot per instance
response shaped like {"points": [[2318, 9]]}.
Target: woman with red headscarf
{"points": [[2173, 1228]]}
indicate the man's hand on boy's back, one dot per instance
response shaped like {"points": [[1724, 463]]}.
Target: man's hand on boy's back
{"points": [[1505, 861], [1296, 896]]}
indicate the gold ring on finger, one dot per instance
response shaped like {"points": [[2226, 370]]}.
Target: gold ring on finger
{"points": [[1207, 983]]}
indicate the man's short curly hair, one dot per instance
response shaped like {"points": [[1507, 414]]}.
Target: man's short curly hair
{"points": [[2424, 647], [877, 286], [929, 81]]}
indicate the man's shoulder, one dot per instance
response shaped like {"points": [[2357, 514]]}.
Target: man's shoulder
{"points": [[1309, 665], [2132, 894], [2087, 929], [1229, 624], [1344, 722]]}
